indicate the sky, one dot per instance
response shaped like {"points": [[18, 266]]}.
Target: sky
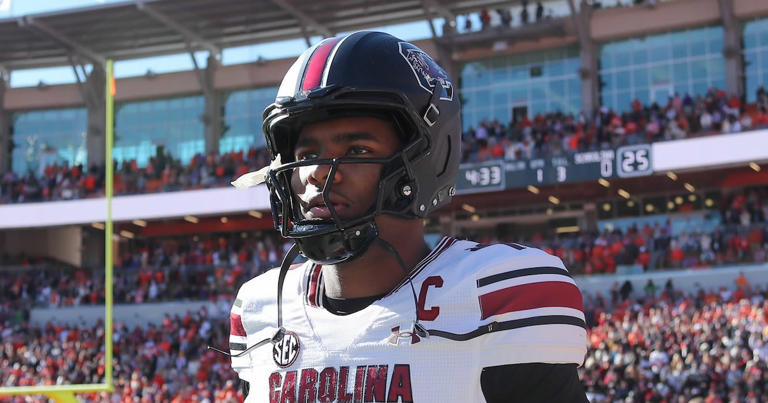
{"points": [[169, 63]]}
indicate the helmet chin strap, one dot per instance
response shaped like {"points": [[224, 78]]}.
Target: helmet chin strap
{"points": [[284, 266], [418, 328]]}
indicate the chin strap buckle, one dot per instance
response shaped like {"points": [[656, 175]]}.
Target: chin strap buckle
{"points": [[278, 336], [420, 330]]}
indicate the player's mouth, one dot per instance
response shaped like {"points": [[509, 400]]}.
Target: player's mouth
{"points": [[317, 209]]}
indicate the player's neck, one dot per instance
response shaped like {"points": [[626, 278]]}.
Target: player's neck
{"points": [[377, 271]]}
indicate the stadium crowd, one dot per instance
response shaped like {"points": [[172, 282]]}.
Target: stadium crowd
{"points": [[666, 345], [499, 18], [658, 344], [556, 134], [741, 236], [209, 269], [167, 362], [552, 134], [162, 173], [212, 267]]}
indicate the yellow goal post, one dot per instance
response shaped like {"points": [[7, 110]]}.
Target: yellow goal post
{"points": [[66, 393]]}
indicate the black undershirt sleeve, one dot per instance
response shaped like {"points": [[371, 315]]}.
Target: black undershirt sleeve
{"points": [[532, 382]]}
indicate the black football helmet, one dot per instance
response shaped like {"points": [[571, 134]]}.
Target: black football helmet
{"points": [[364, 74]]}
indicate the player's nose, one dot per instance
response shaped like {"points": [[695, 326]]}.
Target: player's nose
{"points": [[320, 173]]}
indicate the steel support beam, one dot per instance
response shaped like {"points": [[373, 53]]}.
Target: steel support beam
{"points": [[439, 9], [5, 126], [212, 119], [449, 26], [303, 18], [428, 16], [194, 39], [57, 36], [732, 51], [590, 76], [94, 92]]}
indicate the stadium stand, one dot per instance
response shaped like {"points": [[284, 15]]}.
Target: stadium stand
{"points": [[549, 135], [655, 344], [664, 344], [165, 363]]}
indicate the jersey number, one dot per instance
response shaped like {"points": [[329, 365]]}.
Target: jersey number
{"points": [[432, 312]]}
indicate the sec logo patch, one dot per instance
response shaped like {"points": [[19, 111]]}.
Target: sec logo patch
{"points": [[285, 351]]}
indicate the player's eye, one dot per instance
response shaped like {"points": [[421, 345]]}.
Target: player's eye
{"points": [[358, 150], [306, 155]]}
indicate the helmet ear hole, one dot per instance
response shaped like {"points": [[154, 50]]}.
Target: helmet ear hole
{"points": [[406, 188]]}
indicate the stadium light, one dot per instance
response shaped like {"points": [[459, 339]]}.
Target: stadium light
{"points": [[754, 167], [140, 223], [98, 225], [255, 214], [623, 193], [672, 175], [533, 189], [224, 220], [192, 219], [689, 187], [127, 234], [604, 182], [567, 229], [553, 200], [469, 208]]}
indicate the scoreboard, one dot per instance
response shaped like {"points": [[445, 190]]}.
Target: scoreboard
{"points": [[623, 162]]}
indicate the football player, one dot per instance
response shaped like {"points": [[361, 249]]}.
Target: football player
{"points": [[364, 138]]}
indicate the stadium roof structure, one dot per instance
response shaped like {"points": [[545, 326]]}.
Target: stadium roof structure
{"points": [[135, 29]]}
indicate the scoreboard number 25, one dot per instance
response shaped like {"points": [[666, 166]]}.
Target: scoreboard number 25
{"points": [[634, 161]]}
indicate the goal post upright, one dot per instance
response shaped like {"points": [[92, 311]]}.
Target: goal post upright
{"points": [[109, 99], [66, 393]]}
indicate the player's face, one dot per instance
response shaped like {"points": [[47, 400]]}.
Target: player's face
{"points": [[355, 186]]}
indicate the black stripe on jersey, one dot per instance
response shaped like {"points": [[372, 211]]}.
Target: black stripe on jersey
{"points": [[510, 325], [531, 271], [238, 302], [237, 346]]}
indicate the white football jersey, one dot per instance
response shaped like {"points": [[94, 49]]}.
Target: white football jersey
{"points": [[483, 305]]}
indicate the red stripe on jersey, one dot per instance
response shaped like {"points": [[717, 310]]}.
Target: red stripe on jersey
{"points": [[316, 65], [236, 325], [544, 294], [313, 285]]}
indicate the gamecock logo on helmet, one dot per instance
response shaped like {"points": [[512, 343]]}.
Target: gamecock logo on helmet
{"points": [[427, 72]]}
